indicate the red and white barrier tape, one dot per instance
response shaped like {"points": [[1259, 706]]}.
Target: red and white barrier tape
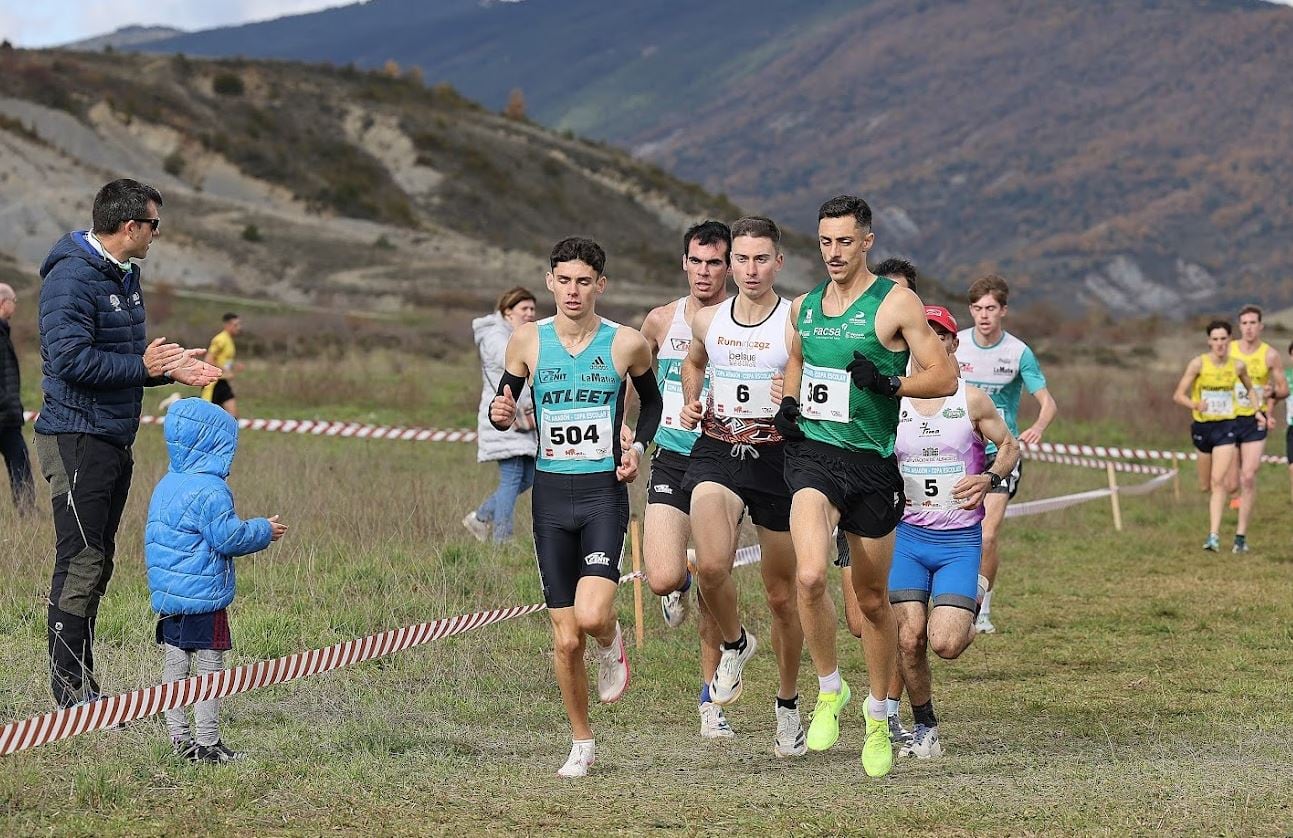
{"points": [[118, 709], [1087, 462], [1036, 507], [1114, 452], [313, 427]]}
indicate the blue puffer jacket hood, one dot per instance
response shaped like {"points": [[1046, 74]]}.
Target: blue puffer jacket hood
{"points": [[193, 532]]}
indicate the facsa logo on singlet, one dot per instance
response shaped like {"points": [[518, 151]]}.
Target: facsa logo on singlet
{"points": [[551, 376], [598, 558]]}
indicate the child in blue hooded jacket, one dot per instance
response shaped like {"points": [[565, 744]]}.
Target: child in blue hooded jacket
{"points": [[193, 534]]}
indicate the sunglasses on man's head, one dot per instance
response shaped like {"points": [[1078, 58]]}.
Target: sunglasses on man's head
{"points": [[153, 222]]}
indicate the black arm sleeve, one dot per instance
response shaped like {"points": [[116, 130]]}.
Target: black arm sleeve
{"points": [[652, 406], [513, 382]]}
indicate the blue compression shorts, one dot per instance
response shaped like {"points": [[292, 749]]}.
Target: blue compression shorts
{"points": [[938, 566]]}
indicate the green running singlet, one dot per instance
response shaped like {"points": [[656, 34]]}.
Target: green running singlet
{"points": [[835, 412]]}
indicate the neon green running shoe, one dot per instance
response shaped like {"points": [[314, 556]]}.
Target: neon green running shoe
{"points": [[877, 751], [825, 728]]}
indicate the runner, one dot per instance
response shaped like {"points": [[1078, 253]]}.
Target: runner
{"points": [[737, 463], [1288, 419], [903, 273], [1001, 365], [1208, 389], [1252, 419], [221, 354], [852, 340], [577, 362], [667, 527], [941, 455]]}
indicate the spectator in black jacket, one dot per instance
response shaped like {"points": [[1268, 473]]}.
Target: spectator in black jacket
{"points": [[97, 359], [12, 448]]}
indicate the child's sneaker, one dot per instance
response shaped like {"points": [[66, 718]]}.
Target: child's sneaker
{"points": [[217, 754], [185, 749]]}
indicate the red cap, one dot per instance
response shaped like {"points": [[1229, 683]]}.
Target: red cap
{"points": [[941, 316]]}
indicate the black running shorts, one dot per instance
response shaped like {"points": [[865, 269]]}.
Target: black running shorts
{"points": [[579, 524], [1009, 486], [668, 471], [752, 472], [1209, 435], [865, 487], [222, 393], [1246, 430]]}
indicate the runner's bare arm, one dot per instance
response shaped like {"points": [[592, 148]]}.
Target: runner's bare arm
{"points": [[693, 367], [1045, 415], [1241, 370], [935, 375], [1279, 385], [790, 379], [1182, 394], [988, 423]]}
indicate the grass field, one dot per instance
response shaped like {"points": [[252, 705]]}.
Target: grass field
{"points": [[1137, 683]]}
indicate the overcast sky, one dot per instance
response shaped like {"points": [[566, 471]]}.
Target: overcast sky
{"points": [[40, 23]]}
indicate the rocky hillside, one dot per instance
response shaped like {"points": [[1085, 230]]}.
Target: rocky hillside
{"points": [[330, 188], [1132, 153]]}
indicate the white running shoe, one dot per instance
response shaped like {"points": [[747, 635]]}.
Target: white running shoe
{"points": [[713, 724], [477, 527], [790, 740], [674, 607], [726, 686], [583, 753], [612, 669], [898, 734], [983, 625], [924, 743]]}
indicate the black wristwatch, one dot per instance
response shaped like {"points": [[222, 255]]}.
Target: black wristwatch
{"points": [[895, 384], [994, 480]]}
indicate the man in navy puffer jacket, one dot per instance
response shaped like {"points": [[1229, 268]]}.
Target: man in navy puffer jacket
{"points": [[96, 359], [192, 537]]}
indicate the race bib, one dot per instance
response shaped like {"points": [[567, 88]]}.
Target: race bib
{"points": [[929, 485], [743, 394], [824, 394], [578, 434], [1241, 396], [1218, 402], [673, 403]]}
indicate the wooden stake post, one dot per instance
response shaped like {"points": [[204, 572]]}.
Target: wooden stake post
{"points": [[635, 539], [1113, 497]]}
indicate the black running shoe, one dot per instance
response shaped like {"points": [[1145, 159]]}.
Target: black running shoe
{"points": [[217, 754]]}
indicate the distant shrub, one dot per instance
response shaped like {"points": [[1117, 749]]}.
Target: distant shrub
{"points": [[383, 243], [228, 84], [251, 233], [174, 163]]}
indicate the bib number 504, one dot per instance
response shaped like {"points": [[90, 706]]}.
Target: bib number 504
{"points": [[573, 434]]}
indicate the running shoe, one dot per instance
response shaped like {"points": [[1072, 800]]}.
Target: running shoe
{"points": [[726, 686], [924, 743], [478, 528], [899, 734], [877, 750], [1213, 544], [582, 756], [612, 669], [983, 624], [713, 724], [674, 607], [824, 730], [217, 754], [790, 740], [1241, 544]]}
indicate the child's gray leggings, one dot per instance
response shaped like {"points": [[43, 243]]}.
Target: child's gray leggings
{"points": [[206, 714]]}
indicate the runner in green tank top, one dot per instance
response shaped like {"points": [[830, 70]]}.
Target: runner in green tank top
{"points": [[850, 347]]}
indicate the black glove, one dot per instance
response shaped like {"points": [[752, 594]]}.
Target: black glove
{"points": [[867, 377], [787, 419]]}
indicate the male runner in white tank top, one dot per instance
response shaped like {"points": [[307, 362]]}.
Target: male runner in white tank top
{"points": [[667, 525], [738, 462]]}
